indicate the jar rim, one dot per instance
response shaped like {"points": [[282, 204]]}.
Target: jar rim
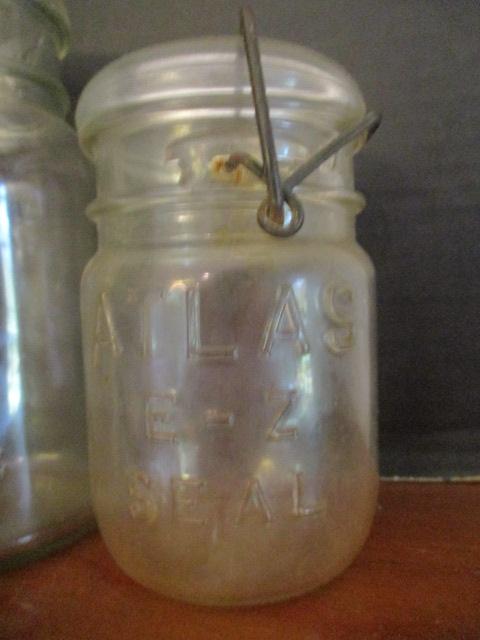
{"points": [[56, 13], [214, 71]]}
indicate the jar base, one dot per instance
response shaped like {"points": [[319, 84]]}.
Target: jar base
{"points": [[213, 597], [273, 598], [263, 566], [45, 505]]}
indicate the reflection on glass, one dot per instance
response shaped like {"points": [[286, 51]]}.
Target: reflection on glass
{"points": [[12, 418], [14, 389]]}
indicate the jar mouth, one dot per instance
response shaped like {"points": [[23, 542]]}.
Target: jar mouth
{"points": [[211, 74]]}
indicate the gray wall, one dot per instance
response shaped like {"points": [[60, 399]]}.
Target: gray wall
{"points": [[416, 61]]}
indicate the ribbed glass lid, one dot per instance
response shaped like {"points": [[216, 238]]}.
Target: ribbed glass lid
{"points": [[211, 74]]}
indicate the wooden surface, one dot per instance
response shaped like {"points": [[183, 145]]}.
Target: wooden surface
{"points": [[418, 577]]}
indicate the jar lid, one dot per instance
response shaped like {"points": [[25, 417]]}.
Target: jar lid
{"points": [[210, 75], [56, 12]]}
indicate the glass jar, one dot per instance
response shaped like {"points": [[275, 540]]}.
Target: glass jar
{"points": [[44, 243], [230, 373]]}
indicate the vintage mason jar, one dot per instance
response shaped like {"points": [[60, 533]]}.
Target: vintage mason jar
{"points": [[230, 373], [45, 183]]}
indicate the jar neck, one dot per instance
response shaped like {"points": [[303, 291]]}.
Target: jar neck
{"points": [[182, 225], [181, 155], [29, 57]]}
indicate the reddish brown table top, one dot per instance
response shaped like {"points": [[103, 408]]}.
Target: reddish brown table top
{"points": [[418, 577]]}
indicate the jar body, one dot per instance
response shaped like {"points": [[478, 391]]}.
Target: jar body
{"points": [[44, 493], [45, 242], [231, 399]]}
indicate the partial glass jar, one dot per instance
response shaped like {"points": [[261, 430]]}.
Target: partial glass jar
{"points": [[45, 241], [230, 374]]}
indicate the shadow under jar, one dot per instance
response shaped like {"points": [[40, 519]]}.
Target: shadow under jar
{"points": [[45, 241], [230, 374]]}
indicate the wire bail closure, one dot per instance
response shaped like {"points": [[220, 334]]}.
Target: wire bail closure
{"points": [[281, 213]]}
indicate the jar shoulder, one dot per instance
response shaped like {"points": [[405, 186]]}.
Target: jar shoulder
{"points": [[39, 154], [145, 267], [25, 126]]}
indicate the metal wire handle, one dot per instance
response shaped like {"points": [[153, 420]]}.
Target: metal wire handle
{"points": [[281, 213]]}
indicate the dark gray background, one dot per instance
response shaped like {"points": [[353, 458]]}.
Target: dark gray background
{"points": [[418, 62]]}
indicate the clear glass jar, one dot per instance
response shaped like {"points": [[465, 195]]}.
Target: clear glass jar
{"points": [[230, 373], [45, 242]]}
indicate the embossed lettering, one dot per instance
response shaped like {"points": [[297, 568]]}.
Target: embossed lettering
{"points": [[284, 401], [106, 336], [149, 337], [254, 505], [337, 303], [299, 508], [218, 418], [159, 417], [142, 505], [195, 348], [285, 323], [187, 496]]}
